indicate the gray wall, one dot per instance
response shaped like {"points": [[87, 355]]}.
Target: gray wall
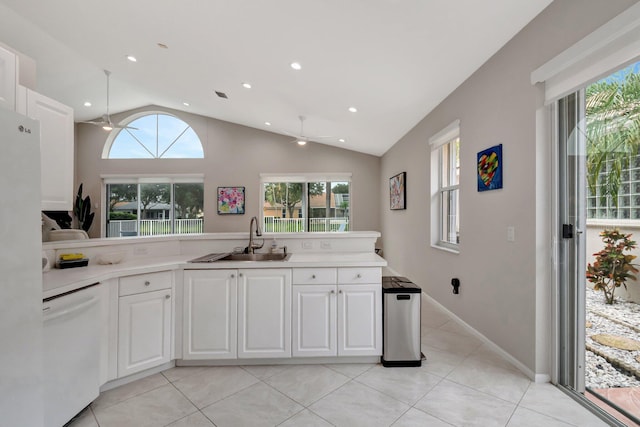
{"points": [[496, 105], [234, 156]]}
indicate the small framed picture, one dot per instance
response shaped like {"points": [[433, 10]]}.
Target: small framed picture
{"points": [[398, 191], [490, 168], [230, 200]]}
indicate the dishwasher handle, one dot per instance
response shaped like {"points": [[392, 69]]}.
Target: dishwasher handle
{"points": [[51, 315], [401, 297]]}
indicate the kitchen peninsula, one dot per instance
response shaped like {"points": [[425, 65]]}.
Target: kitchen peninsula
{"points": [[156, 309]]}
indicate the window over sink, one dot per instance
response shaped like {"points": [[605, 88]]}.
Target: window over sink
{"points": [[306, 203]]}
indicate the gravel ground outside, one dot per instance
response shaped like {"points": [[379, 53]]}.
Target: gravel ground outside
{"points": [[599, 372]]}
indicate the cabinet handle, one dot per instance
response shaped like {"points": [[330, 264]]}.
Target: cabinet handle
{"points": [[233, 276], [147, 283], [167, 296], [332, 291], [240, 275], [359, 276], [340, 291], [313, 276]]}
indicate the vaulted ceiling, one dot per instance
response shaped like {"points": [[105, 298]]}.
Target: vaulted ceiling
{"points": [[392, 60]]}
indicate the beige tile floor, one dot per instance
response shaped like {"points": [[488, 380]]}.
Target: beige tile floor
{"points": [[462, 383]]}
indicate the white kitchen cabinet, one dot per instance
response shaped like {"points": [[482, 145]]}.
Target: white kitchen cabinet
{"points": [[314, 314], [360, 320], [337, 319], [264, 313], [8, 79], [144, 322], [56, 148], [210, 314]]}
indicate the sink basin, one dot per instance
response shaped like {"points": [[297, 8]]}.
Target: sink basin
{"points": [[256, 257]]}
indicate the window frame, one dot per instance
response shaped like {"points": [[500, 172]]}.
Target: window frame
{"points": [[139, 179], [305, 179], [113, 135], [447, 136]]}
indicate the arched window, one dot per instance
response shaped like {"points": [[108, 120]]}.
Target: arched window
{"points": [[154, 136]]}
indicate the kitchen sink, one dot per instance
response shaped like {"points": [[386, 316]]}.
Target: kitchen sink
{"points": [[242, 257], [256, 257]]}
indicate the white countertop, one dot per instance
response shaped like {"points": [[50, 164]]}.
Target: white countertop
{"points": [[58, 281]]}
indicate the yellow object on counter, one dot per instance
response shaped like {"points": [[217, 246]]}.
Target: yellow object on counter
{"points": [[71, 257]]}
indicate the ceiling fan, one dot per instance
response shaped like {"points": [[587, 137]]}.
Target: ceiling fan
{"points": [[105, 122], [301, 138]]}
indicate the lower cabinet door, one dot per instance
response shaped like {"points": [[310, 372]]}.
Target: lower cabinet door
{"points": [[144, 331], [360, 320], [264, 313], [314, 317], [210, 314]]}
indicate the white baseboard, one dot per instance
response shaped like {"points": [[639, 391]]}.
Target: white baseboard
{"points": [[538, 378]]}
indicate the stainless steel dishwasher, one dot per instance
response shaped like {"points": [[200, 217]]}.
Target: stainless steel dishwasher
{"points": [[401, 322]]}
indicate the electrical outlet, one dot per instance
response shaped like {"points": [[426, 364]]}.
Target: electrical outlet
{"points": [[325, 245], [307, 245], [511, 233]]}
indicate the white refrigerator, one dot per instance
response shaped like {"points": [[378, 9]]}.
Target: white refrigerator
{"points": [[20, 272]]}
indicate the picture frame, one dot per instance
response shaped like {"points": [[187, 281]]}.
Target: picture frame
{"points": [[489, 168], [398, 191], [231, 200]]}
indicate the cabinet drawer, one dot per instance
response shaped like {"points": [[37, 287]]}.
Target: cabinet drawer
{"points": [[360, 275], [145, 283], [314, 276]]}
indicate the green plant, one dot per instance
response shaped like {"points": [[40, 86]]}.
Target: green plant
{"points": [[612, 267], [82, 211]]}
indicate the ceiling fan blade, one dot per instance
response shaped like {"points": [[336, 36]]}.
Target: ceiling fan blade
{"points": [[124, 127], [93, 122]]}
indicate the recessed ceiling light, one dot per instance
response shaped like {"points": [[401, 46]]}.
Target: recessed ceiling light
{"points": [[341, 140], [267, 123], [353, 109], [246, 85], [162, 46], [132, 58], [87, 104], [186, 104], [302, 142], [296, 66]]}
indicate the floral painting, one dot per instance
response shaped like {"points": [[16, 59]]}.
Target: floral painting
{"points": [[230, 200], [398, 191], [490, 168]]}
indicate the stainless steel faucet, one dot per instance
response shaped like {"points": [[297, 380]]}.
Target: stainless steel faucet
{"points": [[253, 246]]}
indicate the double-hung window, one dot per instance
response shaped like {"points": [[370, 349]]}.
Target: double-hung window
{"points": [[445, 187], [306, 203]]}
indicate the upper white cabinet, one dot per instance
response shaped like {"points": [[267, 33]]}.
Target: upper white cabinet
{"points": [[210, 314], [264, 313], [8, 79], [56, 148]]}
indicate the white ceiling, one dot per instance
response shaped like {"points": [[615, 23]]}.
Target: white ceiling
{"points": [[394, 60]]}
